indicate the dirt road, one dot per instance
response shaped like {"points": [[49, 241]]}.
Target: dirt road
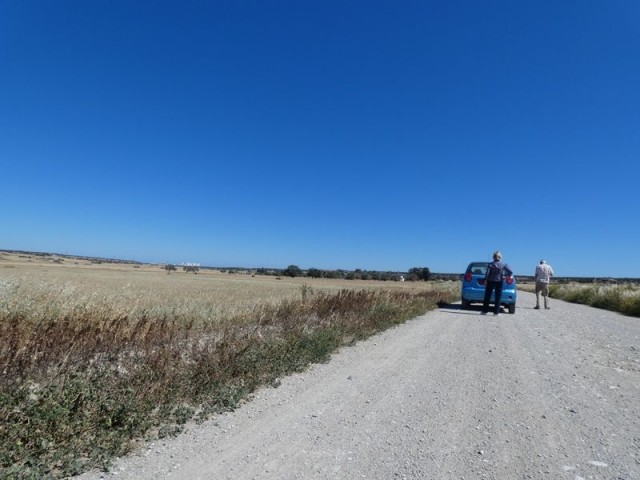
{"points": [[451, 395]]}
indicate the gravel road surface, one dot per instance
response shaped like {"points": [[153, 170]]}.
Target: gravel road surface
{"points": [[542, 394]]}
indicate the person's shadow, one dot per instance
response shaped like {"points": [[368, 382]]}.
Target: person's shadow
{"points": [[456, 308]]}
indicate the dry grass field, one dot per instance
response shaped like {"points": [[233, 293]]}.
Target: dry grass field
{"points": [[621, 297], [35, 283], [96, 355]]}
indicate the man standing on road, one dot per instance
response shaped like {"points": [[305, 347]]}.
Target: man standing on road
{"points": [[544, 272]]}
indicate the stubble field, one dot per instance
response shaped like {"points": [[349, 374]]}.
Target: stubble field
{"points": [[96, 355]]}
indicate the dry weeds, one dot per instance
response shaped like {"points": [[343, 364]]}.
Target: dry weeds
{"points": [[94, 356]]}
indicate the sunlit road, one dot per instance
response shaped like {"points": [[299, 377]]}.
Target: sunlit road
{"points": [[453, 394]]}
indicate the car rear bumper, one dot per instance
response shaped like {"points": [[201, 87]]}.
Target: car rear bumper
{"points": [[476, 295]]}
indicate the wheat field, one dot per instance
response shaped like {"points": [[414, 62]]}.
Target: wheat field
{"points": [[41, 287], [96, 355]]}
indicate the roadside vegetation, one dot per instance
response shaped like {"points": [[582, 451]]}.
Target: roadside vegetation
{"points": [[94, 361], [623, 298]]}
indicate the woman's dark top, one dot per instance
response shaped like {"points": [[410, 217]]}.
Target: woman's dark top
{"points": [[496, 271]]}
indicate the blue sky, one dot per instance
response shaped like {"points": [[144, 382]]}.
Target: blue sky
{"points": [[373, 135]]}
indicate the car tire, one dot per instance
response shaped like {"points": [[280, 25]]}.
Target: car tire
{"points": [[465, 304], [512, 308]]}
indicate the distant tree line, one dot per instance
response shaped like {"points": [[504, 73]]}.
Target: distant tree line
{"points": [[419, 273], [414, 274], [97, 260], [186, 268], [587, 280]]}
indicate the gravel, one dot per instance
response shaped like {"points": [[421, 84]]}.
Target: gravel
{"points": [[449, 395]]}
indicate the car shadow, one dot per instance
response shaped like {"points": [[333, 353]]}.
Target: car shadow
{"points": [[470, 310]]}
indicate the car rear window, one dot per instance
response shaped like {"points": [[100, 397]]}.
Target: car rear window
{"points": [[477, 268]]}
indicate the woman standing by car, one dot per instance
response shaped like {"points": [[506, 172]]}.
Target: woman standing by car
{"points": [[493, 282]]}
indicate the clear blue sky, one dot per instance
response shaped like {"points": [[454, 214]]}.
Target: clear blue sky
{"points": [[333, 134]]}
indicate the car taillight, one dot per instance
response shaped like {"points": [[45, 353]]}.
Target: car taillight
{"points": [[467, 277], [509, 280]]}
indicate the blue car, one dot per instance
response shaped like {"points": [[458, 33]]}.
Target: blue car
{"points": [[473, 287]]}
